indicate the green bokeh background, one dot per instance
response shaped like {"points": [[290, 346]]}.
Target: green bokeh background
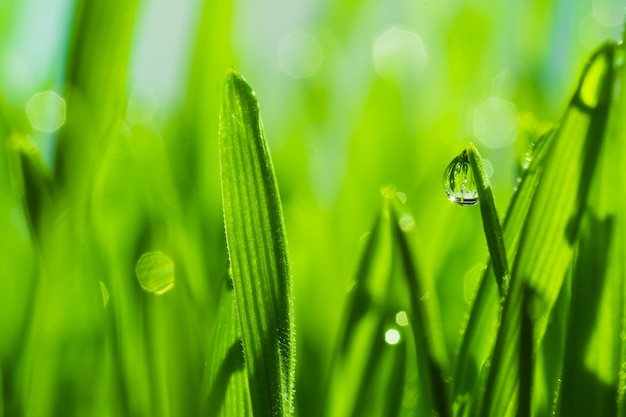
{"points": [[342, 120]]}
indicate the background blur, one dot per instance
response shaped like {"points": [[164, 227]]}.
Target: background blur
{"points": [[355, 95]]}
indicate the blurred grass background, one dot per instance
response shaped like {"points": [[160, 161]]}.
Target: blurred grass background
{"points": [[354, 95]]}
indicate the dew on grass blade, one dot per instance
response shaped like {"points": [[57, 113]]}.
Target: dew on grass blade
{"points": [[459, 182], [528, 156], [46, 111], [155, 272]]}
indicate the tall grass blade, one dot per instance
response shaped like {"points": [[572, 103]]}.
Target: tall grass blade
{"points": [[367, 373], [592, 362], [491, 222], [33, 181], [258, 251], [431, 354], [96, 90], [482, 326], [551, 229]]}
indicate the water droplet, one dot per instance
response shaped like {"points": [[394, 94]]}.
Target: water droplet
{"points": [[459, 182], [528, 156], [155, 272], [392, 337]]}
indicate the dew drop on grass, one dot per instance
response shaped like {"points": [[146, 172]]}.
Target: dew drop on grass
{"points": [[528, 156], [155, 272], [459, 182]]}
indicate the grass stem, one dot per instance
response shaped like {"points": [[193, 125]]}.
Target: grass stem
{"points": [[491, 223]]}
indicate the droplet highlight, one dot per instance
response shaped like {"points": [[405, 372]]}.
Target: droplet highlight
{"points": [[459, 182], [155, 272]]}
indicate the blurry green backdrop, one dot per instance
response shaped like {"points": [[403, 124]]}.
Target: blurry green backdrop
{"points": [[355, 96]]}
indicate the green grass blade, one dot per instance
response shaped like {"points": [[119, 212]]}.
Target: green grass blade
{"points": [[367, 373], [96, 89], [430, 349], [546, 244], [228, 393], [34, 182], [593, 345], [619, 201], [258, 251], [491, 222], [480, 331]]}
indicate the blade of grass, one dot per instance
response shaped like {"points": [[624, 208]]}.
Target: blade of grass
{"points": [[431, 353], [592, 355], [491, 222], [258, 251], [617, 268], [227, 382], [96, 94], [480, 331], [552, 225], [366, 372], [34, 182]]}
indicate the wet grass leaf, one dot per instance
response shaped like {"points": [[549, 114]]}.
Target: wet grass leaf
{"points": [[258, 251], [551, 227]]}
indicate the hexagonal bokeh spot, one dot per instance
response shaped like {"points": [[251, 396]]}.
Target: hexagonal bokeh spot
{"points": [[496, 122], [46, 111], [399, 53], [155, 272]]}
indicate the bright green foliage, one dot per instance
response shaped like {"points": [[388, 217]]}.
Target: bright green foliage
{"points": [[491, 222], [131, 287], [227, 382], [258, 251], [389, 298]]}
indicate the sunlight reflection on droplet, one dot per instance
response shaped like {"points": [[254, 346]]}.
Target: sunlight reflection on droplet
{"points": [[300, 54], [155, 272], [496, 122], [459, 182], [399, 53], [46, 111], [392, 337], [142, 105], [402, 319]]}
